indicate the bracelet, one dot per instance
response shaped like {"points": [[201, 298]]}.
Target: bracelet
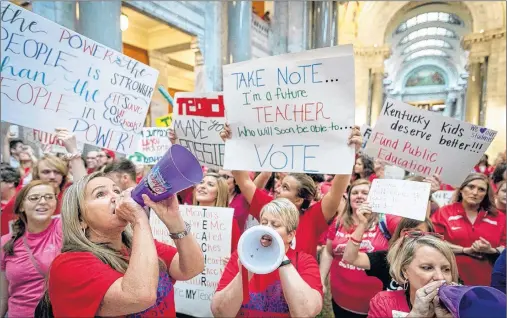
{"points": [[71, 156], [355, 241]]}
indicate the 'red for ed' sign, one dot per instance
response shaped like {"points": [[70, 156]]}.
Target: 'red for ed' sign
{"points": [[54, 77]]}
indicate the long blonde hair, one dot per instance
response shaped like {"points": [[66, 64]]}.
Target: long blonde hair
{"points": [[222, 199], [345, 218], [76, 240]]}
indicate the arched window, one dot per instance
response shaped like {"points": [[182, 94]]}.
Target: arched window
{"points": [[427, 52], [425, 76], [429, 17], [431, 31], [430, 43]]}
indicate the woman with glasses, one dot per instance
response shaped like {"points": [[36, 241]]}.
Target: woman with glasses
{"points": [[474, 228], [28, 252], [421, 263]]}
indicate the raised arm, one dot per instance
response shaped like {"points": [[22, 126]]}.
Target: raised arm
{"points": [[326, 259], [262, 179], [74, 157], [6, 149], [331, 200]]}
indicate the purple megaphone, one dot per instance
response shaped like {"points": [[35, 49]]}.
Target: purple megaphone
{"points": [[473, 301], [177, 170]]}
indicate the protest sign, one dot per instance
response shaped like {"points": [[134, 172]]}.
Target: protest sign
{"points": [[394, 172], [427, 143], [408, 199], [366, 133], [291, 113], [212, 228], [152, 145], [164, 121], [442, 197], [54, 77], [46, 141], [198, 119]]}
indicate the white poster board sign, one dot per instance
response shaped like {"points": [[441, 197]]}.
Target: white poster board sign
{"points": [[151, 146], [46, 141], [291, 113], [394, 172], [197, 121], [408, 199], [427, 143], [212, 228], [442, 197], [54, 77], [366, 133]]}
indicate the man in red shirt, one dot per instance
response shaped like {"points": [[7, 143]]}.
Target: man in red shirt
{"points": [[9, 186]]}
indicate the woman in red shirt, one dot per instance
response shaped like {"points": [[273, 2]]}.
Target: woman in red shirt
{"points": [[351, 288], [501, 197], [294, 290], [213, 191], [421, 262], [483, 166], [236, 200], [364, 168], [474, 228], [300, 189], [110, 264]]}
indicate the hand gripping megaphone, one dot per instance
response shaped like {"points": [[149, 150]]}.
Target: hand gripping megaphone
{"points": [[261, 249], [473, 301]]}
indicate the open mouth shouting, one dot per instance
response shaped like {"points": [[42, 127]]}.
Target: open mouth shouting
{"points": [[266, 240]]}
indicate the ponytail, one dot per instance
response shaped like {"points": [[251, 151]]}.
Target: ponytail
{"points": [[18, 231]]}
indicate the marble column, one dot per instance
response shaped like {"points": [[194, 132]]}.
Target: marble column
{"points": [[334, 24], [63, 13], [214, 46], [239, 17], [280, 27], [100, 21], [159, 105], [298, 26], [377, 94], [323, 22], [473, 97]]}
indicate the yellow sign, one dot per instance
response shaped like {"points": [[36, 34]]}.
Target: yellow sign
{"points": [[164, 121]]}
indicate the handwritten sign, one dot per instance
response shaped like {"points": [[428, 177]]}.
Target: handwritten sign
{"points": [[366, 132], [198, 119], [212, 228], [164, 121], [442, 197], [408, 199], [54, 77], [394, 172], [152, 146], [291, 113], [427, 143]]}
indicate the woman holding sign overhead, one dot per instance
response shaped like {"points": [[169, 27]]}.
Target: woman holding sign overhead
{"points": [[475, 229], [300, 189], [110, 264]]}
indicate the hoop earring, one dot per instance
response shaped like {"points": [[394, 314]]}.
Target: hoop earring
{"points": [[405, 285]]}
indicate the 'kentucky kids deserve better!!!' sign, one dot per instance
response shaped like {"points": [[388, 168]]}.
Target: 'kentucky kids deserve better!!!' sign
{"points": [[212, 228], [54, 77], [291, 112], [427, 143], [197, 121]]}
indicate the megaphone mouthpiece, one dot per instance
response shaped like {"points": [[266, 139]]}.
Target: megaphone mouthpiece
{"points": [[261, 249]]}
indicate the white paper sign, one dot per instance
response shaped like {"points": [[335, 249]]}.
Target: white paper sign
{"points": [[46, 141], [212, 228], [197, 121], [408, 199], [291, 113], [366, 132], [393, 172], [151, 146], [442, 197], [54, 77], [427, 143]]}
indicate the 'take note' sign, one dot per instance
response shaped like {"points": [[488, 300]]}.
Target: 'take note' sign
{"points": [[427, 143]]}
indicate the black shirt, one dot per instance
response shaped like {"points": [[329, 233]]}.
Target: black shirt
{"points": [[380, 268]]}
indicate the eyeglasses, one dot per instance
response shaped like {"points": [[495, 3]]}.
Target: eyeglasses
{"points": [[418, 234], [225, 176], [36, 197]]}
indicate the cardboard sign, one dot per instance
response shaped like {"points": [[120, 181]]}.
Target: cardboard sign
{"points": [[164, 121], [442, 197], [198, 119], [212, 228], [427, 143], [291, 113], [152, 146], [408, 199], [55, 77]]}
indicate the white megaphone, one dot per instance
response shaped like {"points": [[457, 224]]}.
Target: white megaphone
{"points": [[261, 249]]}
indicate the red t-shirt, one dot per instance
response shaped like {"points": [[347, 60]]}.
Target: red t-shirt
{"points": [[78, 282], [311, 223], [241, 207], [351, 288], [388, 304], [452, 221], [266, 293]]}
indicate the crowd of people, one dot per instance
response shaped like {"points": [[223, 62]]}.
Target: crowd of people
{"points": [[75, 243]]}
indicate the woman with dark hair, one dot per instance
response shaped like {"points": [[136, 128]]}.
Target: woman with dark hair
{"points": [[236, 200], [498, 175], [364, 168], [483, 166], [500, 197], [474, 229], [28, 252]]}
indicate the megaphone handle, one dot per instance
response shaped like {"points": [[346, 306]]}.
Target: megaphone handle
{"points": [[244, 282]]}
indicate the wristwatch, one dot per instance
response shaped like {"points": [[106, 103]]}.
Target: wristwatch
{"points": [[180, 235], [286, 261]]}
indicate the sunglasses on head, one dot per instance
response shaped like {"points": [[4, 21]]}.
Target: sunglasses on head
{"points": [[417, 234]]}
